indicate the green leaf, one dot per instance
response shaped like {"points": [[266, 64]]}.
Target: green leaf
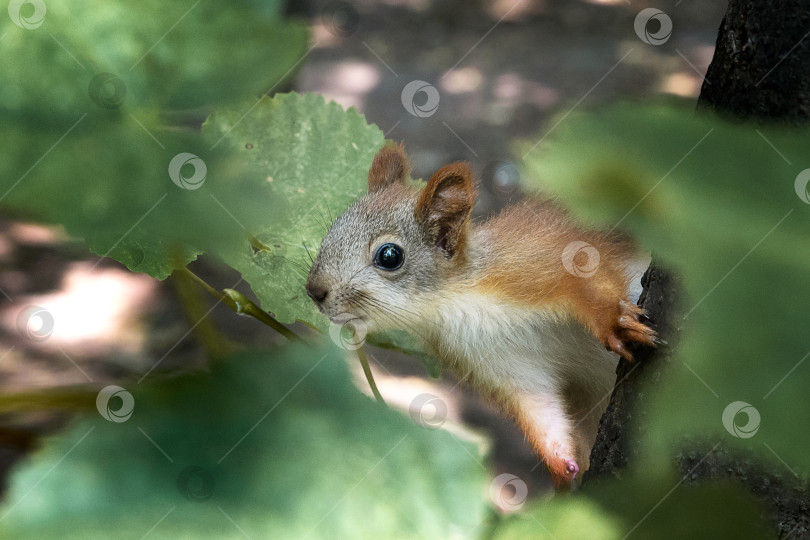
{"points": [[277, 445], [637, 507], [313, 156], [94, 154], [172, 55], [719, 204]]}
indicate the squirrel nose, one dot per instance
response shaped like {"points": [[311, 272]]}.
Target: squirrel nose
{"points": [[317, 292]]}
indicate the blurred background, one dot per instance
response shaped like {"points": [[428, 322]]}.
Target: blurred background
{"points": [[505, 70]]}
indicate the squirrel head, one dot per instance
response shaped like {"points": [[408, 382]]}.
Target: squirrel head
{"points": [[394, 246]]}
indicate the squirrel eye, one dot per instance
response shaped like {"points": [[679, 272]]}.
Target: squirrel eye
{"points": [[389, 257]]}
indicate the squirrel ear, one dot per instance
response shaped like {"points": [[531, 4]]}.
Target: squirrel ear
{"points": [[390, 165], [444, 206]]}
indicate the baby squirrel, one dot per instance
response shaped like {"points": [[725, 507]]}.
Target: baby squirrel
{"points": [[494, 303]]}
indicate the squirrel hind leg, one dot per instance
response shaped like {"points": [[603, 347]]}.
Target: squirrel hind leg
{"points": [[550, 430]]}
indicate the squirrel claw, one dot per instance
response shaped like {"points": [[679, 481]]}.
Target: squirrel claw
{"points": [[629, 328]]}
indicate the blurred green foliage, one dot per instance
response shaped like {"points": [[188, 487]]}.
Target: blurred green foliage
{"points": [[641, 506], [265, 445], [105, 94]]}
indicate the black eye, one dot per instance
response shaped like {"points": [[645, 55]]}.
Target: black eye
{"points": [[389, 257]]}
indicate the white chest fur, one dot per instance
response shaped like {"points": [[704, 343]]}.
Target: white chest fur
{"points": [[525, 349]]}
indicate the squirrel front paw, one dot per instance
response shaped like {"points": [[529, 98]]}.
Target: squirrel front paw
{"points": [[628, 328]]}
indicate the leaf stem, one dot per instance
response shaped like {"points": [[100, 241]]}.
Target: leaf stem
{"points": [[361, 354], [76, 397], [242, 305]]}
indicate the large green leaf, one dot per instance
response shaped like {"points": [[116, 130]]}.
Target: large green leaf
{"points": [[726, 207], [313, 156], [637, 507], [173, 55], [76, 153], [266, 445]]}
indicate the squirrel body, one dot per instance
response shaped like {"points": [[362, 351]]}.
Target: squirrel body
{"points": [[506, 305]]}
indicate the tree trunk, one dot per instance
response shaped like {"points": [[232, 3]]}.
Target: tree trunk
{"points": [[760, 71]]}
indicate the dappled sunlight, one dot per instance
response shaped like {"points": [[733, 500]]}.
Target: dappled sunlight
{"points": [[95, 311], [347, 82], [682, 84]]}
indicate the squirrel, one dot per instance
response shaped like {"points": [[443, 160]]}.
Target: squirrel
{"points": [[509, 305]]}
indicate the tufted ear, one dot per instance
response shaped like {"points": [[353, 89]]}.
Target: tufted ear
{"points": [[444, 206], [390, 166]]}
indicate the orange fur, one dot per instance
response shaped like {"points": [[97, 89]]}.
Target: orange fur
{"points": [[390, 166], [532, 235]]}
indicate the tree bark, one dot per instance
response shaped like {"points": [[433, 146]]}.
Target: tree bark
{"points": [[761, 72], [761, 64]]}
